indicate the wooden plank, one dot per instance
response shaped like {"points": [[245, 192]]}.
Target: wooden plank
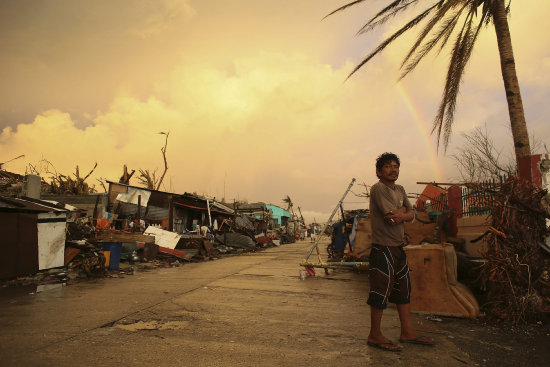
{"points": [[165, 250], [70, 253], [120, 236], [178, 253]]}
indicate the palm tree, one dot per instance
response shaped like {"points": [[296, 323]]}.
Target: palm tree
{"points": [[464, 19], [288, 202]]}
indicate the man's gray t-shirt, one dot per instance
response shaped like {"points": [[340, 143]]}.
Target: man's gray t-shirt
{"points": [[384, 199]]}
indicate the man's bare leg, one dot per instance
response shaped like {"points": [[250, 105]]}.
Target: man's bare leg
{"points": [[376, 338], [375, 334], [407, 331]]}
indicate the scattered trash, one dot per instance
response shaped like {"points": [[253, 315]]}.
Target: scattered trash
{"points": [[434, 318], [129, 229]]}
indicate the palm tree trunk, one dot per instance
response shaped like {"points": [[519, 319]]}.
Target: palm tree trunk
{"points": [[511, 84]]}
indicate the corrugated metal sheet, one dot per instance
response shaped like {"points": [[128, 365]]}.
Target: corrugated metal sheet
{"points": [[27, 205], [252, 207], [151, 212]]}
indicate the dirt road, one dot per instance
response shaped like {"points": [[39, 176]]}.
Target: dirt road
{"points": [[247, 310]]}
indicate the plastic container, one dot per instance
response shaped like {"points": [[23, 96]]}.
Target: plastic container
{"points": [[115, 249], [107, 255], [434, 214]]}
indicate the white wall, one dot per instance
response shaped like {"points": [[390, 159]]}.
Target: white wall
{"points": [[51, 241]]}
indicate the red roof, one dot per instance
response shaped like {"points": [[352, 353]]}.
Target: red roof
{"points": [[432, 193]]}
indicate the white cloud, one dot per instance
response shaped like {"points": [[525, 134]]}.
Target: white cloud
{"points": [[253, 114]]}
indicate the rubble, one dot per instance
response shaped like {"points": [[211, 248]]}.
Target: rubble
{"points": [[516, 270], [85, 256], [126, 229]]}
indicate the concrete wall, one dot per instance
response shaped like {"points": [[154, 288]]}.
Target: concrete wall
{"points": [[32, 186], [471, 228], [51, 240]]}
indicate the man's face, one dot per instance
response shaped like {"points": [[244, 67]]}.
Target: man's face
{"points": [[389, 172]]}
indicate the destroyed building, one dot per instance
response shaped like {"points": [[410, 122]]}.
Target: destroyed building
{"points": [[173, 212], [33, 235], [93, 232]]}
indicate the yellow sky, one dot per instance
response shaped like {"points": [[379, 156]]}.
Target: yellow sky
{"points": [[253, 94]]}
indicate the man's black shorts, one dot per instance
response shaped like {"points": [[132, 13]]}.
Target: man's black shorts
{"points": [[390, 280]]}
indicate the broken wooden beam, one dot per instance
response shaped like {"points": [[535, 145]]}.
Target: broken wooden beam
{"points": [[120, 236]]}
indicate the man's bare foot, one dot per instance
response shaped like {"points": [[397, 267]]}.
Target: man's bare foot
{"points": [[417, 339], [385, 345]]}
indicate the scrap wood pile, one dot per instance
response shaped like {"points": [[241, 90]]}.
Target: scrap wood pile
{"points": [[242, 234], [516, 273], [87, 261], [11, 183], [63, 184]]}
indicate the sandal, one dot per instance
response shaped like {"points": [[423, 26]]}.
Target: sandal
{"points": [[422, 340], [388, 346]]}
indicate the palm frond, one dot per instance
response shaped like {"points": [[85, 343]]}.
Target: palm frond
{"points": [[385, 14], [449, 96], [442, 36], [343, 7], [441, 16], [446, 36], [461, 53], [411, 24]]}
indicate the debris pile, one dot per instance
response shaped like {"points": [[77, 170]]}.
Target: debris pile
{"points": [[516, 273], [63, 184], [82, 234], [11, 183], [88, 261]]}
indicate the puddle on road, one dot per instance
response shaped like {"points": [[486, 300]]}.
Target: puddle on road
{"points": [[13, 292], [153, 325], [28, 293]]}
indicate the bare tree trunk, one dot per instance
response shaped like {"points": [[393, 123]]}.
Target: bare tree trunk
{"points": [[163, 150], [511, 84]]}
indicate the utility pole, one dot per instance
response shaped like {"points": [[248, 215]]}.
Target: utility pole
{"points": [[301, 216], [2, 163]]}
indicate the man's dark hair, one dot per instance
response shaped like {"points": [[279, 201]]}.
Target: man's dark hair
{"points": [[386, 158]]}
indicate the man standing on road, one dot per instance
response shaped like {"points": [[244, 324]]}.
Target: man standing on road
{"points": [[389, 272]]}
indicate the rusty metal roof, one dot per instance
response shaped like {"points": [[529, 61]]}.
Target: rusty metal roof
{"points": [[27, 205]]}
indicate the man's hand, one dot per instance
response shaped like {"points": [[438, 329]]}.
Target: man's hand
{"points": [[398, 216], [393, 218]]}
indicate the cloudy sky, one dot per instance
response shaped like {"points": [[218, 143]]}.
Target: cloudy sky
{"points": [[253, 93]]}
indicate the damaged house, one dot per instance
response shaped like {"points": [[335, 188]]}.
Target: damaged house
{"points": [[89, 233], [33, 235], [280, 216], [173, 212]]}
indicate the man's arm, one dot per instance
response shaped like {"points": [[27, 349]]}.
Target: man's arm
{"points": [[400, 215], [403, 214]]}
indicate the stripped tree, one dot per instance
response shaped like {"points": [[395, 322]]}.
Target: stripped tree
{"points": [[149, 178]]}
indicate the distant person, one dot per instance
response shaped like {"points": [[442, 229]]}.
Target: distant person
{"points": [[389, 271], [204, 231], [313, 234]]}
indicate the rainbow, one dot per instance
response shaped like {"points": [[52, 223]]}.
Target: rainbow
{"points": [[431, 148]]}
